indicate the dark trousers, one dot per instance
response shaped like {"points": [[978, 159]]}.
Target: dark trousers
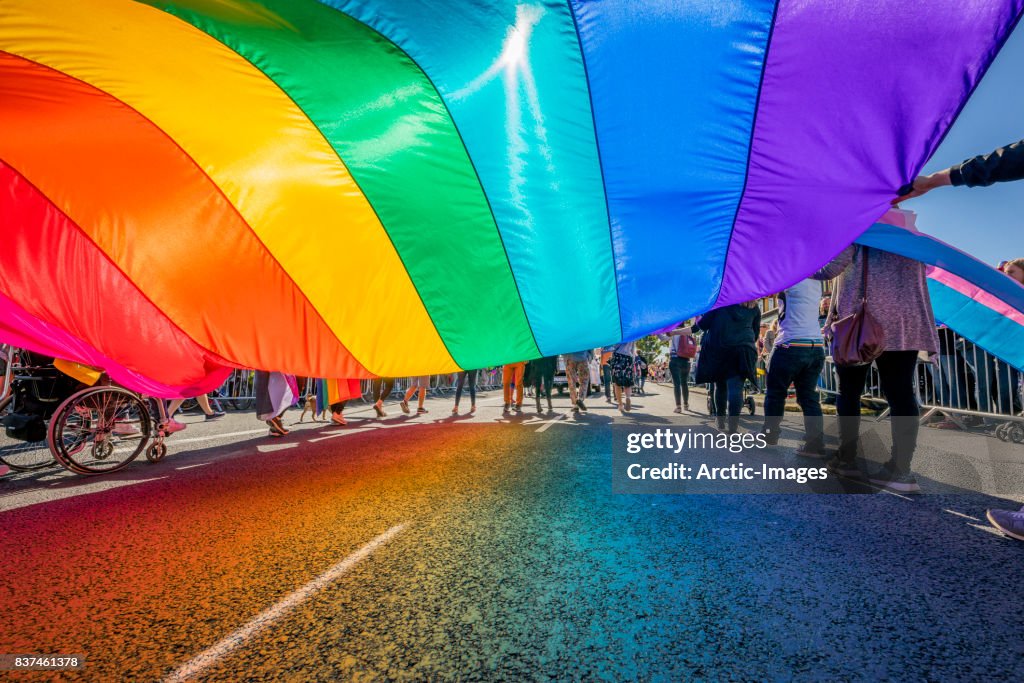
{"points": [[606, 372], [381, 388], [801, 367], [679, 368], [543, 379], [729, 392], [896, 373], [470, 376]]}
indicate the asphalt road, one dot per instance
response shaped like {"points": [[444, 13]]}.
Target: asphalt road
{"points": [[491, 547]]}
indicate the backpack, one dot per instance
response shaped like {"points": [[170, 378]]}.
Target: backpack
{"points": [[687, 347]]}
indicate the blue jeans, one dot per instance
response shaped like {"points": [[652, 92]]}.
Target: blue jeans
{"points": [[729, 391], [801, 367]]}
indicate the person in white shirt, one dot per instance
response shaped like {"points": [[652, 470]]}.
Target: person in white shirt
{"points": [[797, 358]]}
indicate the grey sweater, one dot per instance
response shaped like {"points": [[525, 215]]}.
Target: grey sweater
{"points": [[897, 296]]}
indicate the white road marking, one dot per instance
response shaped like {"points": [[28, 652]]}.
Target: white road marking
{"points": [[270, 448], [551, 422], [188, 467], [197, 439], [990, 529], [212, 655], [73, 487], [960, 514]]}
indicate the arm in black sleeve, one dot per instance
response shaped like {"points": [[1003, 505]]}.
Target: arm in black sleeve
{"points": [[704, 324], [757, 323], [1006, 163]]}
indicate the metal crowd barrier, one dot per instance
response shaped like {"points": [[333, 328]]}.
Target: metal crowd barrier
{"points": [[238, 390], [964, 382]]}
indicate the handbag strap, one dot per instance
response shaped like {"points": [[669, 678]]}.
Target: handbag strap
{"points": [[864, 277]]}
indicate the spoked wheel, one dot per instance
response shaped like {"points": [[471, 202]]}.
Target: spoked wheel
{"points": [[1017, 433], [751, 406], [1003, 432], [24, 456], [99, 430]]}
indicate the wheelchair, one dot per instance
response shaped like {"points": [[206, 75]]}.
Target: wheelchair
{"points": [[49, 416]]}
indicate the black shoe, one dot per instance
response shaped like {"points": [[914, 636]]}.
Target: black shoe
{"points": [[844, 467], [771, 438], [720, 423], [811, 451], [582, 406]]}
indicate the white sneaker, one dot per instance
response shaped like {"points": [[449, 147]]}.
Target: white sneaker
{"points": [[172, 426]]}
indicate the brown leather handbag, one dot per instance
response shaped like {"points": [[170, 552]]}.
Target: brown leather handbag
{"points": [[857, 339]]}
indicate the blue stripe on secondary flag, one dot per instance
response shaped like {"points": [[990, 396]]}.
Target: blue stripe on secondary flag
{"points": [[992, 331], [512, 77], [674, 93]]}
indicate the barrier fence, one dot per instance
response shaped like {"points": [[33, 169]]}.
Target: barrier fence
{"points": [[966, 384]]}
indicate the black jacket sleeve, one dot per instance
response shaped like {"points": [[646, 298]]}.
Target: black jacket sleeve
{"points": [[1006, 163]]}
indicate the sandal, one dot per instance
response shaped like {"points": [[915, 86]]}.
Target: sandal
{"points": [[405, 407], [380, 409], [338, 419]]}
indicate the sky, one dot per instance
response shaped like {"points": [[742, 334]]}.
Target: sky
{"points": [[986, 222]]}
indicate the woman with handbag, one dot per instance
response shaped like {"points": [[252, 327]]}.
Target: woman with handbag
{"points": [[881, 313]]}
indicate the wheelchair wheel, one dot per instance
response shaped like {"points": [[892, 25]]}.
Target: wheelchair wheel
{"points": [[99, 430], [156, 452], [24, 456], [749, 403]]}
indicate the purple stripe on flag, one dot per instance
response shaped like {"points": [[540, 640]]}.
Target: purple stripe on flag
{"points": [[856, 97]]}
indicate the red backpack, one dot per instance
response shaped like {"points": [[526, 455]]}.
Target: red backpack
{"points": [[687, 347]]}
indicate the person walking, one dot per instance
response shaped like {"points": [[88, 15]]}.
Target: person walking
{"points": [[512, 375], [622, 367], [466, 378], [641, 366], [577, 373], [728, 357], [380, 389], [542, 373], [681, 352], [797, 358], [894, 291], [419, 384], [275, 393], [606, 372]]}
